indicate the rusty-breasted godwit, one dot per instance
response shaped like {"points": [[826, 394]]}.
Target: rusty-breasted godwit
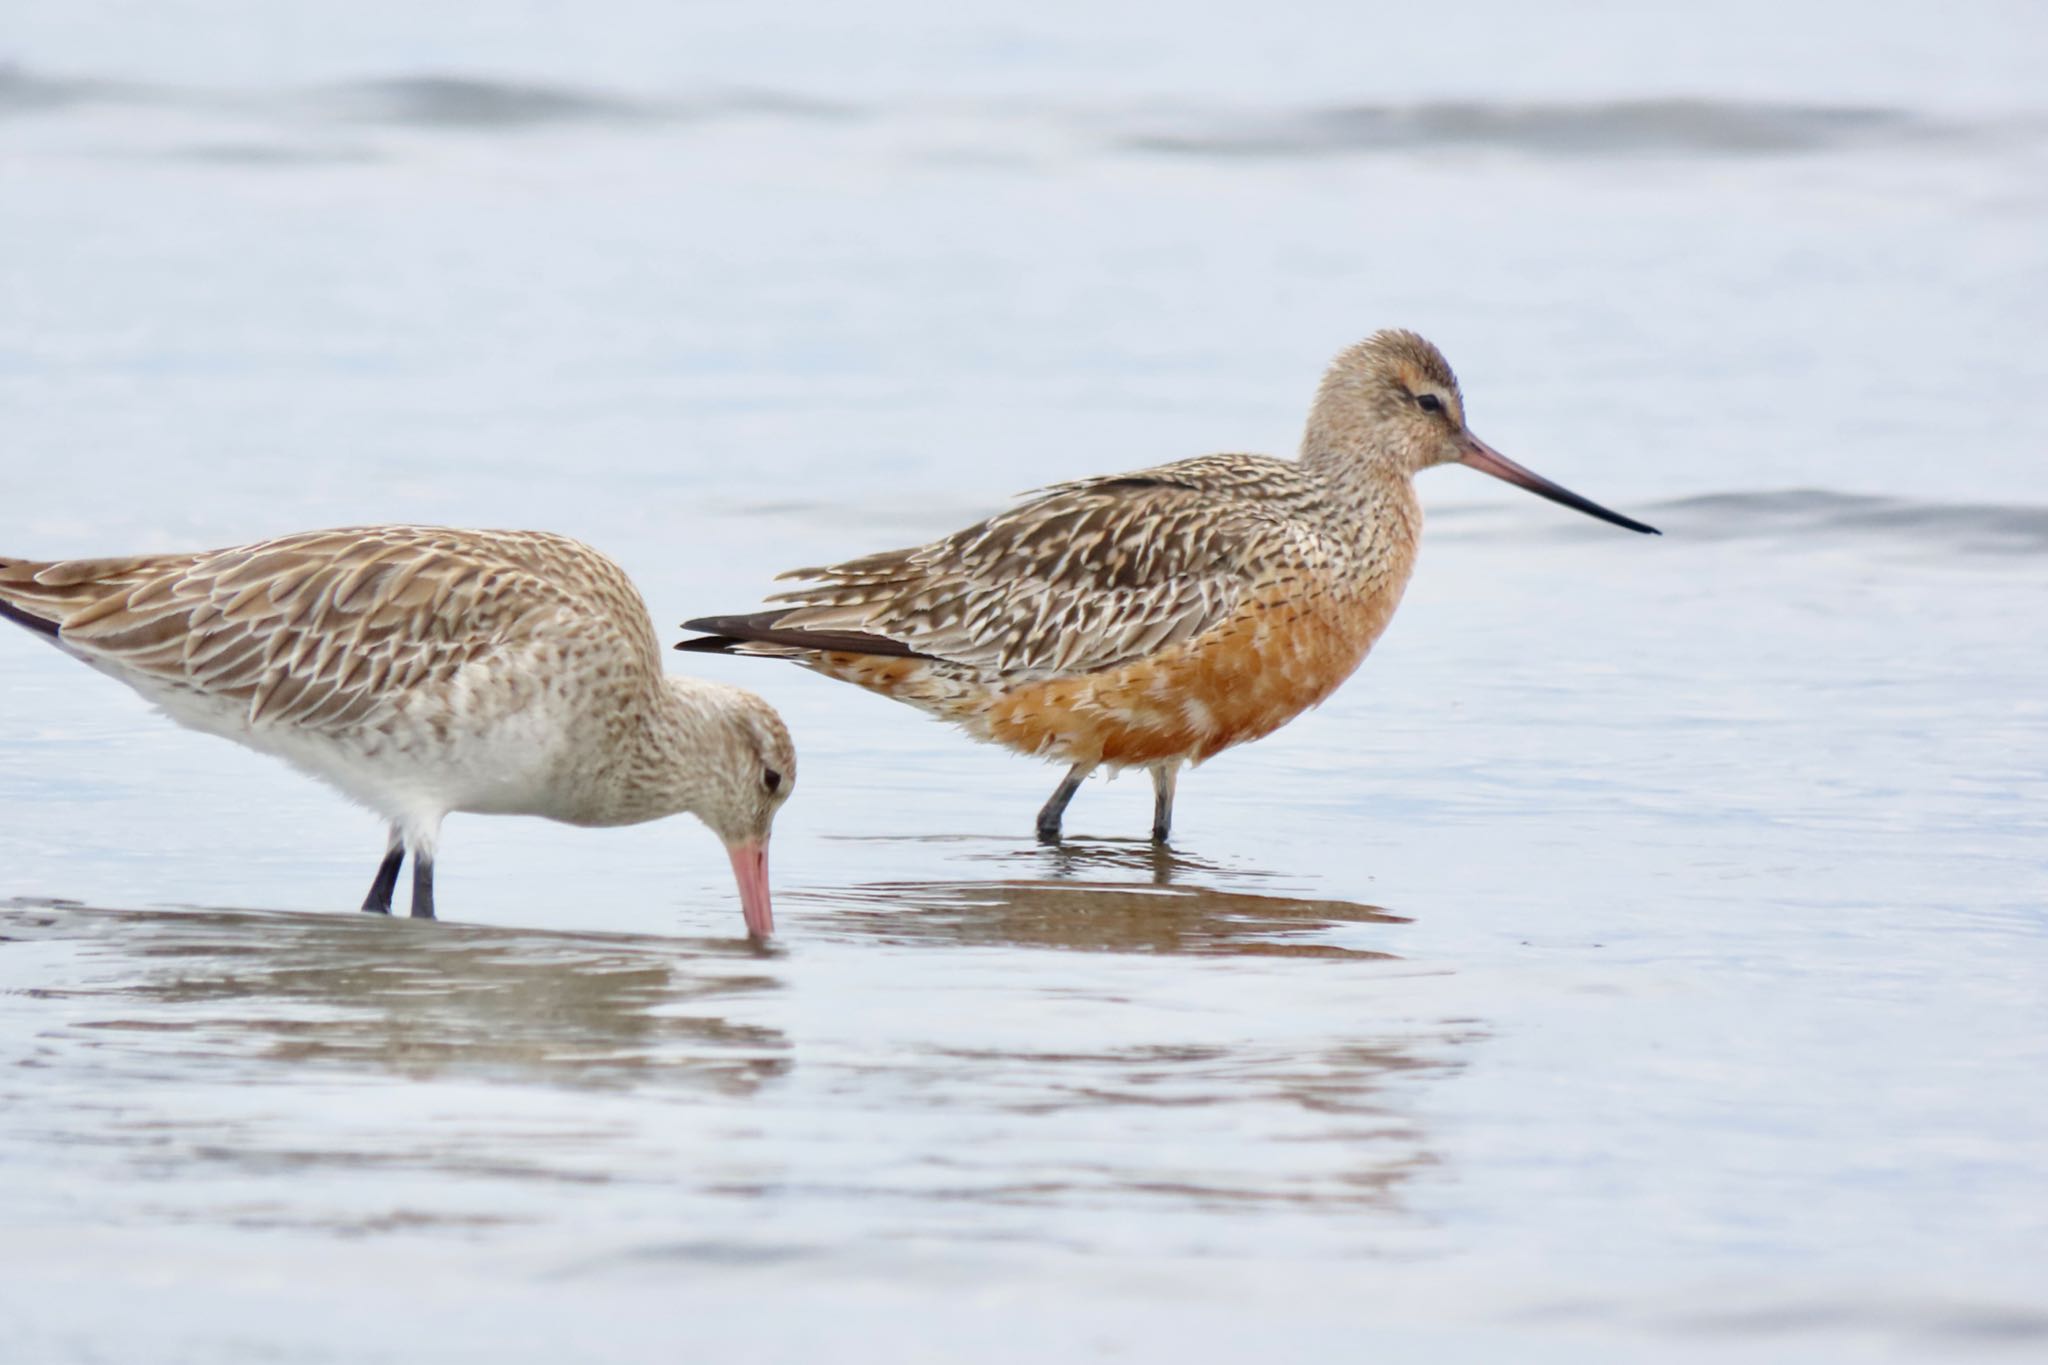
{"points": [[1155, 618], [424, 670]]}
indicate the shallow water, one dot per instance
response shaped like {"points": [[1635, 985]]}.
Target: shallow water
{"points": [[1642, 958]]}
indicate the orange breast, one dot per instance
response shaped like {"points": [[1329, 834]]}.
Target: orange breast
{"points": [[1245, 678]]}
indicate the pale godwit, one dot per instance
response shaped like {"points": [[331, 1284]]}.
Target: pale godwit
{"points": [[424, 670], [1155, 618]]}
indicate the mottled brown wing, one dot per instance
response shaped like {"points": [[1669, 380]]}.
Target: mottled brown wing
{"points": [[318, 630], [1083, 577]]}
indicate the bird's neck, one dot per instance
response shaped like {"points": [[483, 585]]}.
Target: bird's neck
{"points": [[682, 744], [649, 769], [1363, 485]]}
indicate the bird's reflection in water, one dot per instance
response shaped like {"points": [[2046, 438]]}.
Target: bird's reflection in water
{"points": [[421, 1000], [1083, 898], [1305, 1106], [1162, 865]]}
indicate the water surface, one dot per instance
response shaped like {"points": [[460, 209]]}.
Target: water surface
{"points": [[1641, 958]]}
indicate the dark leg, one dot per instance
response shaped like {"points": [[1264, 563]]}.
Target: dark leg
{"points": [[378, 902], [1049, 815], [422, 886], [1163, 778]]}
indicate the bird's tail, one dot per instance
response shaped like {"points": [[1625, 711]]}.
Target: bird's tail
{"points": [[759, 633], [12, 611]]}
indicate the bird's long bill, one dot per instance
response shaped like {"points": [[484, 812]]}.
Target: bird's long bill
{"points": [[750, 870], [1484, 457]]}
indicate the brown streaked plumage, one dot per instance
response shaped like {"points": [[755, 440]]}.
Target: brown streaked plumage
{"points": [[1155, 618], [424, 670]]}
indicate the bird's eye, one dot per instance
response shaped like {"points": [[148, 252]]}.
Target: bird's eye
{"points": [[1429, 402], [771, 779]]}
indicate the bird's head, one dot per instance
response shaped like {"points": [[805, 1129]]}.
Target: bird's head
{"points": [[744, 768], [1393, 400]]}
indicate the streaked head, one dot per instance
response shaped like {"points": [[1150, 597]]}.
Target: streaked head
{"points": [[1393, 397], [744, 768]]}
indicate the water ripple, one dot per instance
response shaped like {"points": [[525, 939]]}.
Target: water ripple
{"points": [[1973, 528], [473, 102], [466, 102], [1615, 128], [1798, 517], [28, 92], [261, 987]]}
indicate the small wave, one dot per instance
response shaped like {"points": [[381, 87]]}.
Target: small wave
{"points": [[1616, 128], [26, 92], [422, 100], [260, 154], [1982, 1323], [1793, 516], [465, 102], [468, 101], [1972, 528], [481, 104]]}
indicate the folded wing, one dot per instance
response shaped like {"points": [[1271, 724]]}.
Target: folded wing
{"points": [[1084, 577], [321, 630]]}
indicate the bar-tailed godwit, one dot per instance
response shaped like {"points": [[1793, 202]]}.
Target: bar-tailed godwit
{"points": [[1155, 618], [424, 670]]}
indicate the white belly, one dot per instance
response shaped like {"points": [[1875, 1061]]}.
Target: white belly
{"points": [[425, 757]]}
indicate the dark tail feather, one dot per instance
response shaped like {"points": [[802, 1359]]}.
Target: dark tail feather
{"points": [[709, 644], [22, 618], [730, 635]]}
